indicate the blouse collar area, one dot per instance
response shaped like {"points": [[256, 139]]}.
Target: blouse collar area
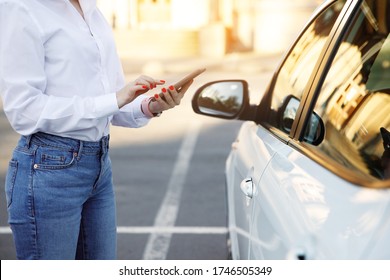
{"points": [[86, 5]]}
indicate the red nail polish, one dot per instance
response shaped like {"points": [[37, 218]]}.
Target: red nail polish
{"points": [[156, 96], [171, 88], [145, 87], [162, 81], [164, 90]]}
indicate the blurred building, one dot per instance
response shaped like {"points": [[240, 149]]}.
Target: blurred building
{"points": [[166, 28]]}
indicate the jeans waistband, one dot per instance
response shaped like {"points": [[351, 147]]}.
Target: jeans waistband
{"points": [[69, 144]]}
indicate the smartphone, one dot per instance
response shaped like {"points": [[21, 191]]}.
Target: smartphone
{"points": [[188, 78], [179, 84]]}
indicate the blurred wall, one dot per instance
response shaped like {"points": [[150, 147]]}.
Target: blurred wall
{"points": [[175, 28]]}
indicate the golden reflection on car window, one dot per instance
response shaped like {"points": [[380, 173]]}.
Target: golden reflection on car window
{"points": [[295, 73], [355, 98]]}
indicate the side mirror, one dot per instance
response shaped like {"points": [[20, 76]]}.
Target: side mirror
{"points": [[315, 131], [221, 99]]}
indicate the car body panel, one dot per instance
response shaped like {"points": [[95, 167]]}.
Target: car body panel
{"points": [[312, 213]]}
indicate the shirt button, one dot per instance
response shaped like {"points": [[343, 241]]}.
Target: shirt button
{"points": [[75, 154], [36, 166]]}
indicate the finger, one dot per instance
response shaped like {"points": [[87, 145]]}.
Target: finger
{"points": [[168, 96], [159, 82], [159, 104], [176, 96], [141, 82], [152, 83], [145, 80], [140, 89], [156, 83]]}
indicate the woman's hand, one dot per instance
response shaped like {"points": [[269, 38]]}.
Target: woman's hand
{"points": [[172, 98], [133, 89]]}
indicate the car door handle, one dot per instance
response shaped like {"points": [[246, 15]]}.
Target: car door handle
{"points": [[247, 187]]}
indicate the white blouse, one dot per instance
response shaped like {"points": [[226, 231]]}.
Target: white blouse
{"points": [[59, 73]]}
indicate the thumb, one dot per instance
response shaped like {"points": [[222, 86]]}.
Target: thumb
{"points": [[185, 87]]}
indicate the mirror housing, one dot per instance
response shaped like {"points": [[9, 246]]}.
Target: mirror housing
{"points": [[226, 99], [315, 131]]}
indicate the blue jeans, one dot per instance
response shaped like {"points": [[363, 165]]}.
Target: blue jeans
{"points": [[60, 199]]}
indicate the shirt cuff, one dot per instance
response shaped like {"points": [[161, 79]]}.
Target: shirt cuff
{"points": [[145, 107], [106, 105], [137, 104]]}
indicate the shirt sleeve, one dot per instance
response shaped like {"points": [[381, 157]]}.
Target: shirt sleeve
{"points": [[23, 81], [130, 115]]}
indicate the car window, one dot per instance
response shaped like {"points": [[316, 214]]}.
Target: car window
{"points": [[354, 102], [298, 66]]}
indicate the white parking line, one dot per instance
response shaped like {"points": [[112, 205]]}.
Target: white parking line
{"points": [[5, 230], [172, 230], [156, 230], [158, 243]]}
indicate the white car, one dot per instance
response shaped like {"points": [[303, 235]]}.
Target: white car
{"points": [[308, 176]]}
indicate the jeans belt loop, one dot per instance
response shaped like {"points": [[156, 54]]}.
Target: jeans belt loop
{"points": [[81, 145], [108, 142], [103, 143], [28, 140]]}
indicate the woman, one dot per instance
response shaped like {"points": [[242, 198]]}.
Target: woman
{"points": [[62, 85]]}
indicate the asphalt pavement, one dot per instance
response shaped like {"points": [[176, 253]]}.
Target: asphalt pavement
{"points": [[168, 176]]}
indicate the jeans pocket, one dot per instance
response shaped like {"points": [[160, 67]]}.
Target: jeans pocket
{"points": [[52, 158], [10, 181]]}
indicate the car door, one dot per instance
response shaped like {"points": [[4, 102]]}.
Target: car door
{"points": [[257, 216], [331, 200], [244, 169]]}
